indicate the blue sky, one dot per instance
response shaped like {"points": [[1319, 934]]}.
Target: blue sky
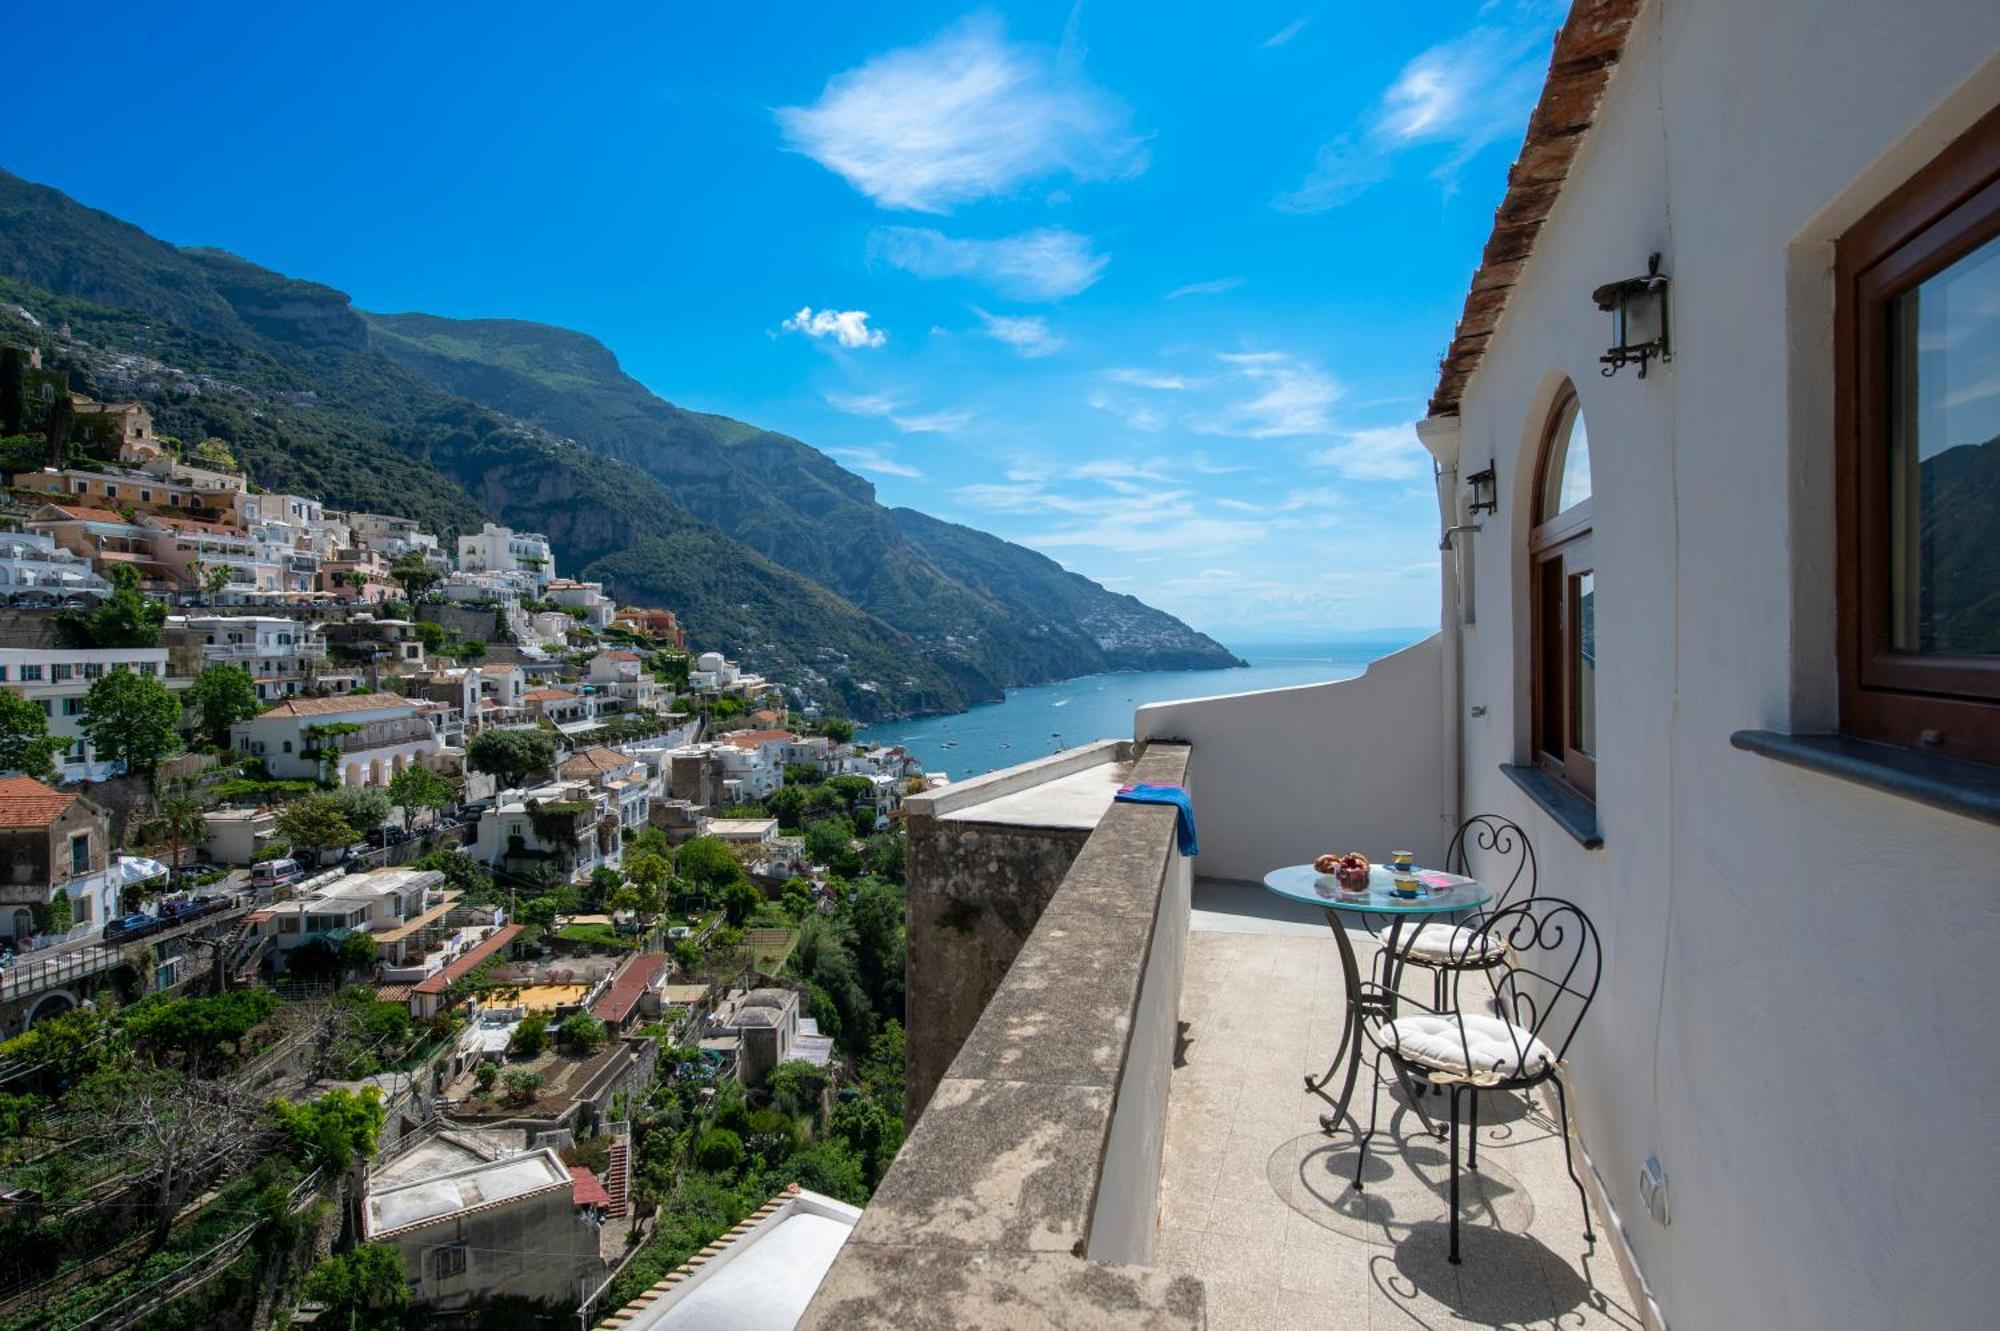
{"points": [[1157, 289]]}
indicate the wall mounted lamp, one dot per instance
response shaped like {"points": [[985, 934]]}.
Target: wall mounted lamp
{"points": [[1638, 309], [1485, 491]]}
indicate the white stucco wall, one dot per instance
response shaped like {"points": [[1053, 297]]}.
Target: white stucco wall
{"points": [[1282, 775], [1796, 1015]]}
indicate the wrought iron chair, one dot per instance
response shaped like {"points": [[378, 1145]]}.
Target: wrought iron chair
{"points": [[1506, 860], [1508, 1034]]}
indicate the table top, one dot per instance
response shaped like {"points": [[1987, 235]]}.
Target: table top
{"points": [[1441, 892]]}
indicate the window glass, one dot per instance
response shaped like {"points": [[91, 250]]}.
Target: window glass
{"points": [[1583, 667], [79, 854], [1566, 481], [1944, 459]]}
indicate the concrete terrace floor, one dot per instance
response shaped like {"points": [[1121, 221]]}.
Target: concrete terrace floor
{"points": [[1255, 1198]]}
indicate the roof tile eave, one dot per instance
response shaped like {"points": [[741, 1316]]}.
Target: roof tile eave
{"points": [[1587, 48]]}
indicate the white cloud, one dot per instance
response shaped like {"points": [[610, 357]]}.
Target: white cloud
{"points": [[1215, 286], [1384, 453], [1113, 504], [875, 461], [1462, 94], [1207, 466], [1048, 263], [1155, 379], [967, 115], [895, 410], [1288, 396], [1027, 334], [1285, 34], [847, 327], [1135, 414]]}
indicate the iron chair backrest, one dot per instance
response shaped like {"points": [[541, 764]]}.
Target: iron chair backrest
{"points": [[1549, 978], [1506, 858]]}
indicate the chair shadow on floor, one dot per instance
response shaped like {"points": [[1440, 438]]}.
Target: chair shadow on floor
{"points": [[1506, 1280]]}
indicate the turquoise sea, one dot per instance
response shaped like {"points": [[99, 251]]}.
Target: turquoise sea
{"points": [[1033, 722]]}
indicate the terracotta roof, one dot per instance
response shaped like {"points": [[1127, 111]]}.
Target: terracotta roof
{"points": [[593, 760], [586, 1189], [90, 514], [630, 986], [498, 668], [547, 695], [1587, 48], [26, 802], [352, 702], [752, 739], [188, 524], [626, 656], [471, 957]]}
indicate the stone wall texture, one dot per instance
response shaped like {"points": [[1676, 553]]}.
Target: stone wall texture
{"points": [[976, 891]]}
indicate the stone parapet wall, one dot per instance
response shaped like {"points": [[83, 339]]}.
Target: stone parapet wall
{"points": [[1013, 1202]]}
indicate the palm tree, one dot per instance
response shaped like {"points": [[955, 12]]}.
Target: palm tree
{"points": [[181, 819]]}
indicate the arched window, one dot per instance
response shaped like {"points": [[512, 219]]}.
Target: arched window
{"points": [[1564, 602]]}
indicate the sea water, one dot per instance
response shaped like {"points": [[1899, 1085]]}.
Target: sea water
{"points": [[1034, 722]]}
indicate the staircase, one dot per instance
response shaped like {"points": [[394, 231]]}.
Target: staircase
{"points": [[617, 1173], [246, 968]]}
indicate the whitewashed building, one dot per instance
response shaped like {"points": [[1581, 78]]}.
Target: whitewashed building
{"points": [[362, 739], [34, 570], [282, 655], [522, 557], [1725, 639], [56, 680]]}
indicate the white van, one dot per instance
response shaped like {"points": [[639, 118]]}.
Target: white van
{"points": [[272, 873]]}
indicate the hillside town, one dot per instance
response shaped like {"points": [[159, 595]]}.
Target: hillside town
{"points": [[393, 883]]}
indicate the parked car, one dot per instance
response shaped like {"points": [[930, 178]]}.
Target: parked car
{"points": [[679, 932], [129, 924]]}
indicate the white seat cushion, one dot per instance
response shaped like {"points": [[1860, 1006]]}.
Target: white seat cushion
{"points": [[1450, 943], [1500, 1050]]}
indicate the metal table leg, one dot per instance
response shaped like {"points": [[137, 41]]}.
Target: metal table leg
{"points": [[1351, 1036]]}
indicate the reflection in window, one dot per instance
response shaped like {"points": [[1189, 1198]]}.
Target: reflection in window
{"points": [[1566, 481], [1944, 459], [1583, 667]]}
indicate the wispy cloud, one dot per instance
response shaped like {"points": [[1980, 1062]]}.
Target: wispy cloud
{"points": [[1047, 263], [849, 328], [1133, 412], [1213, 287], [1383, 453], [1114, 505], [1461, 95], [1155, 379], [967, 115], [1284, 396], [896, 411], [1028, 335], [875, 461], [1286, 33], [1207, 466]]}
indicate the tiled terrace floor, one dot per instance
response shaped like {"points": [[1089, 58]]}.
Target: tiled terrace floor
{"points": [[1255, 1198]]}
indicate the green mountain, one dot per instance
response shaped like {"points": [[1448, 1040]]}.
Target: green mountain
{"points": [[995, 614], [768, 550]]}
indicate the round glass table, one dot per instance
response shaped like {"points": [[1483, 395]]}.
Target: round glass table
{"points": [[1438, 893]]}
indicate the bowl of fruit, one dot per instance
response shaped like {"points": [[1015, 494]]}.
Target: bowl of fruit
{"points": [[1348, 872]]}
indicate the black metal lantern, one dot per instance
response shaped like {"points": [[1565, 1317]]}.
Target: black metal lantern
{"points": [[1638, 307], [1485, 491]]}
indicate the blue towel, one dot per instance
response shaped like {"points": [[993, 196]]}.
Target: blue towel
{"points": [[1174, 795]]}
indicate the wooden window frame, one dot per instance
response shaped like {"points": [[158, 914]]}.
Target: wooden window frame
{"points": [[1942, 702], [1560, 552]]}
